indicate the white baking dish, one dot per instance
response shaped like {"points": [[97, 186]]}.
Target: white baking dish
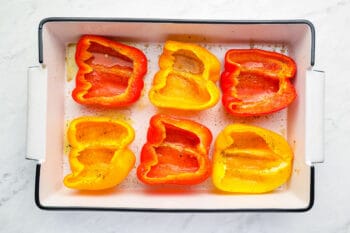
{"points": [[50, 107]]}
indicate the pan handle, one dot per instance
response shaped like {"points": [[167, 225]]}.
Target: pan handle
{"points": [[314, 115], [36, 113]]}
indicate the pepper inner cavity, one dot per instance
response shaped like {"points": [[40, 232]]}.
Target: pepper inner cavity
{"points": [[173, 161], [249, 151], [187, 61], [111, 71], [91, 132], [253, 87], [107, 57], [96, 156], [176, 154], [185, 89]]}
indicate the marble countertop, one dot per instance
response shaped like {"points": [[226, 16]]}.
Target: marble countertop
{"points": [[18, 50]]}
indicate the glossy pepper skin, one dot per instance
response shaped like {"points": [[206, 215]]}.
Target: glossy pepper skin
{"points": [[176, 152], [110, 73], [186, 79], [257, 82], [249, 159], [99, 157]]}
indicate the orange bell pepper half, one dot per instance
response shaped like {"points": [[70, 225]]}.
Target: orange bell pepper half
{"points": [[249, 159], [99, 157], [186, 79], [257, 82], [176, 152], [110, 73]]}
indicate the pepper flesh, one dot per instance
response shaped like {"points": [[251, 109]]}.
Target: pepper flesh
{"points": [[176, 152], [186, 79], [257, 82], [110, 73], [99, 157], [249, 159]]}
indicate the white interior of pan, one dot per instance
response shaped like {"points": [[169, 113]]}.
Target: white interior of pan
{"points": [[291, 39]]}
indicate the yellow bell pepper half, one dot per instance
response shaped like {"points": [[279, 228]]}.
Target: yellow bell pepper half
{"points": [[186, 79], [249, 159], [99, 157]]}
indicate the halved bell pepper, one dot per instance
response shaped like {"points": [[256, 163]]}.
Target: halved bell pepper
{"points": [[257, 82], [186, 79], [99, 157], [249, 159], [110, 73], [176, 152]]}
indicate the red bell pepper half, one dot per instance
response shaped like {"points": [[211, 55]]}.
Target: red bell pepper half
{"points": [[257, 82], [176, 152], [110, 73]]}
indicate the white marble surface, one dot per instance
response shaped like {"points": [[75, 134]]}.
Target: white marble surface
{"points": [[18, 50]]}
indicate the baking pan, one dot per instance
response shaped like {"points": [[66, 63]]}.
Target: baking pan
{"points": [[50, 108]]}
